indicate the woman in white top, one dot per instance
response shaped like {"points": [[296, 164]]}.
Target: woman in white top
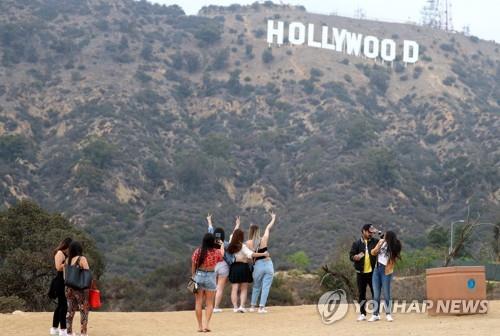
{"points": [[239, 272], [388, 251]]}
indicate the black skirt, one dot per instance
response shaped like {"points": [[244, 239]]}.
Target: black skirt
{"points": [[239, 273]]}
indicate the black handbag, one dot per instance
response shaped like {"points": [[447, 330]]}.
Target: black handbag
{"points": [[77, 277], [52, 294]]}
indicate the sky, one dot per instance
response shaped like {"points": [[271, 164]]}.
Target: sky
{"points": [[481, 16]]}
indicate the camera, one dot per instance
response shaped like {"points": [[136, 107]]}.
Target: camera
{"points": [[381, 234]]}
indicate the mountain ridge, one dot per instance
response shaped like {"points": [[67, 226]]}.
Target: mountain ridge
{"points": [[135, 120]]}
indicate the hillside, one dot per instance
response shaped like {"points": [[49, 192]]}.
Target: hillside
{"points": [[134, 120]]}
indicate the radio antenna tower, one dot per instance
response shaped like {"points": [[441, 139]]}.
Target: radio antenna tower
{"points": [[448, 22], [431, 15], [437, 14]]}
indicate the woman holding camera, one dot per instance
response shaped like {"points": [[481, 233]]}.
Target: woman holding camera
{"points": [[387, 250], [222, 267]]}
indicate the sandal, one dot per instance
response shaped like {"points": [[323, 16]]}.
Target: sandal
{"points": [[206, 330]]}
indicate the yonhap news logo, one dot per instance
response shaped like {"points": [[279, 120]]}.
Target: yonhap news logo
{"points": [[332, 306]]}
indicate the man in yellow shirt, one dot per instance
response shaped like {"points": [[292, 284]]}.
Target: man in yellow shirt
{"points": [[364, 263]]}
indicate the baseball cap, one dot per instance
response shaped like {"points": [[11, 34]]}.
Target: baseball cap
{"points": [[369, 227]]}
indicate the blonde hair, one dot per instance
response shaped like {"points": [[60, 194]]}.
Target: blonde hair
{"points": [[254, 236]]}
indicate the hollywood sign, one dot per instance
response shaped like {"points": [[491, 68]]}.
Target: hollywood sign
{"points": [[341, 40]]}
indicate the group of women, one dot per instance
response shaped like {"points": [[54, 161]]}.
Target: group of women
{"points": [[69, 300], [239, 261]]}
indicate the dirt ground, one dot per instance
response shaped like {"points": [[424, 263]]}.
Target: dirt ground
{"points": [[286, 321]]}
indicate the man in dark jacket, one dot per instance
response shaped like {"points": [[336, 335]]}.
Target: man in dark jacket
{"points": [[364, 264]]}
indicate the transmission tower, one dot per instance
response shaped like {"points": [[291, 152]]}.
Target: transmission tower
{"points": [[431, 14], [437, 14], [448, 22]]}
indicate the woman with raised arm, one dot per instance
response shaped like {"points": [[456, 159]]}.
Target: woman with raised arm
{"points": [[263, 271], [203, 263], [239, 272], [222, 267]]}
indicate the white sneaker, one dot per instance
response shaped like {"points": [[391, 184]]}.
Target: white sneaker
{"points": [[54, 331], [389, 318], [235, 310], [251, 310], [262, 310], [217, 310], [361, 317], [242, 310], [374, 318], [63, 332]]}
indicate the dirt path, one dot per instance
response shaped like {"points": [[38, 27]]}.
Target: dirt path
{"points": [[286, 321]]}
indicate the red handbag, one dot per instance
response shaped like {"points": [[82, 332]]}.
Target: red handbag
{"points": [[94, 297]]}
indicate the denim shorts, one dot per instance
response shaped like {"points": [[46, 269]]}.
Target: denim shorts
{"points": [[222, 269], [206, 280]]}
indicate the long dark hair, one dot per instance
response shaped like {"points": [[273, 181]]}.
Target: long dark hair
{"points": [[75, 250], [207, 243], [393, 246], [63, 245], [236, 242]]}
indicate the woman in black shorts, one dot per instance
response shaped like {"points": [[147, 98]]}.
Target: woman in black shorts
{"points": [[239, 272]]}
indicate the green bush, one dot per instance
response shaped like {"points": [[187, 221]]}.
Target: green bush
{"points": [[209, 33], [13, 147], [418, 260], [449, 81], [339, 274], [438, 237], [379, 78], [299, 259], [449, 47], [142, 76], [233, 84], [28, 235], [220, 60], [216, 145], [183, 90], [259, 33], [155, 170], [280, 294], [191, 170], [307, 85], [381, 167], [267, 56], [355, 131], [149, 97], [248, 51], [147, 52], [192, 60], [100, 153], [89, 176], [177, 61]]}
